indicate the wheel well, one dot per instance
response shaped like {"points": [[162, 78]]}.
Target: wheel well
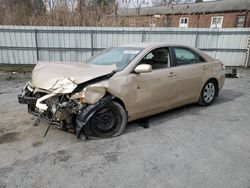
{"points": [[120, 102], [117, 100], [216, 83]]}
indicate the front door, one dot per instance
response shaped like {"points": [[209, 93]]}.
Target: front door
{"points": [[157, 90]]}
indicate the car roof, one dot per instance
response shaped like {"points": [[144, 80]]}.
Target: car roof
{"points": [[148, 44]]}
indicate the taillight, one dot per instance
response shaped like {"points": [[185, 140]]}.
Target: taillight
{"points": [[223, 66]]}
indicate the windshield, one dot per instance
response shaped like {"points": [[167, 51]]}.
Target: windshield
{"points": [[120, 56]]}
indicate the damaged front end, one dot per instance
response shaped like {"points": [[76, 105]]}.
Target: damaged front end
{"points": [[60, 92], [53, 108], [70, 110]]}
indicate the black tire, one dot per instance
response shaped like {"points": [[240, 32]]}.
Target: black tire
{"points": [[208, 93], [107, 122]]}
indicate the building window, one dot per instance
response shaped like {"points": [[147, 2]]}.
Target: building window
{"points": [[183, 22], [152, 22], [216, 22], [240, 21], [132, 22]]}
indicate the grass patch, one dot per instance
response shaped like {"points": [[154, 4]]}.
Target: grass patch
{"points": [[16, 68]]}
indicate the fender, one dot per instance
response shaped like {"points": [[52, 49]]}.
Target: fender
{"points": [[83, 118]]}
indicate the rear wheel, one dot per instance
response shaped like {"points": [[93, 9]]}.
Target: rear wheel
{"points": [[208, 93], [109, 121]]}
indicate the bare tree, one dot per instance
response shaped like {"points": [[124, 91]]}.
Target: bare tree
{"points": [[160, 2], [51, 5], [64, 4], [38, 7], [134, 3], [72, 4]]}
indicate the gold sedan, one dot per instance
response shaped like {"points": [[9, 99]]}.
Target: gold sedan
{"points": [[121, 84]]}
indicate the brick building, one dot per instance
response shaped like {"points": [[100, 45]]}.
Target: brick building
{"points": [[215, 14]]}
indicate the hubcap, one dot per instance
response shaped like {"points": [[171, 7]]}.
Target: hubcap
{"points": [[104, 121], [209, 92]]}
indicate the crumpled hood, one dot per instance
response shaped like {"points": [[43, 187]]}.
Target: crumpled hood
{"points": [[59, 77]]}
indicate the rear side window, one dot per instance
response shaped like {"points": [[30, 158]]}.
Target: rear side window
{"points": [[186, 56]]}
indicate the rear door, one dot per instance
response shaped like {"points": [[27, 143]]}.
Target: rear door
{"points": [[191, 69]]}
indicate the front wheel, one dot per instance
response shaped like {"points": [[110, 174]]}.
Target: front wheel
{"points": [[208, 93], [109, 121]]}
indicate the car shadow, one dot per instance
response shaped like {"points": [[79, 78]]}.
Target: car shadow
{"points": [[226, 95]]}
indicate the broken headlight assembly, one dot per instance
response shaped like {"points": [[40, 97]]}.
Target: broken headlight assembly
{"points": [[79, 96]]}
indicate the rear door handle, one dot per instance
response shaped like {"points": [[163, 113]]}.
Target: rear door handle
{"points": [[171, 74]]}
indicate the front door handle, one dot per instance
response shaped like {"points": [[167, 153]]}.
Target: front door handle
{"points": [[171, 74], [204, 67]]}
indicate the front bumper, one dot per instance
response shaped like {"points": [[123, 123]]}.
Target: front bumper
{"points": [[27, 99], [62, 117], [48, 108]]}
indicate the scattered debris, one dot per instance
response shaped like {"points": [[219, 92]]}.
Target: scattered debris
{"points": [[233, 74]]}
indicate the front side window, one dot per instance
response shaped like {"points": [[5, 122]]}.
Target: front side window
{"points": [[157, 58], [183, 22], [240, 21], [120, 56], [186, 56], [216, 22]]}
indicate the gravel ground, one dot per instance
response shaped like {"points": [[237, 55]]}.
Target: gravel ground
{"points": [[190, 146]]}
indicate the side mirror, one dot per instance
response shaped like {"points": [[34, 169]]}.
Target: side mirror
{"points": [[143, 68]]}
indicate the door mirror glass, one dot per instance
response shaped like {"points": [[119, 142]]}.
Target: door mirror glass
{"points": [[143, 68]]}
